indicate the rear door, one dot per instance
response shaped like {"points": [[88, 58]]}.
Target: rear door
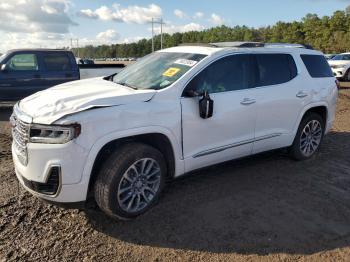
{"points": [[280, 95], [22, 77], [58, 68]]}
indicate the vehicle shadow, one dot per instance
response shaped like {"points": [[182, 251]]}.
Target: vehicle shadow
{"points": [[259, 205]]}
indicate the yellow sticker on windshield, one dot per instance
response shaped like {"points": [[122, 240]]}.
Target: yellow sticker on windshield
{"points": [[171, 71]]}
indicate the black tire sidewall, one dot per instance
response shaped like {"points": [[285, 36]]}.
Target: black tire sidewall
{"points": [[115, 167], [346, 77], [295, 148]]}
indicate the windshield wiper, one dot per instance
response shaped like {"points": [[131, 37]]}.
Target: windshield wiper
{"points": [[127, 85]]}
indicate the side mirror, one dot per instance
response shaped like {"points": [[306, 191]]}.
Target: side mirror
{"points": [[4, 67], [191, 93], [206, 106]]}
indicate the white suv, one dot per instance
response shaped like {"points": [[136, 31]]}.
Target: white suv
{"points": [[120, 138], [340, 65]]}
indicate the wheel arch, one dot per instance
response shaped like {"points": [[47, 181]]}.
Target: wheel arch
{"points": [[318, 108], [159, 140]]}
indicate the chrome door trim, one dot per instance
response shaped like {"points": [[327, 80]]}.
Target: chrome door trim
{"points": [[245, 142]]}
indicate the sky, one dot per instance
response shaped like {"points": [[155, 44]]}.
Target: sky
{"points": [[52, 23]]}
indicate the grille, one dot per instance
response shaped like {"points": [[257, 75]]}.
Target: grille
{"points": [[20, 134], [50, 187]]}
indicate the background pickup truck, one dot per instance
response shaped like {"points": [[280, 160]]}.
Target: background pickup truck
{"points": [[27, 71]]}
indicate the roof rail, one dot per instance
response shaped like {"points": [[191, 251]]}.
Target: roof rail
{"points": [[197, 44], [238, 44], [249, 45], [273, 45]]}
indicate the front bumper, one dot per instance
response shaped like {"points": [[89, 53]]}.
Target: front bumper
{"points": [[67, 186]]}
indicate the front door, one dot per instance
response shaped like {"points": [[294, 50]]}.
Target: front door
{"points": [[229, 133]]}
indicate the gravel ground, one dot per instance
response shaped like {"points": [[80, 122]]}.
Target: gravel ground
{"points": [[267, 207]]}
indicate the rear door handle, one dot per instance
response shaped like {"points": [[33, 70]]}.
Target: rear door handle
{"points": [[37, 76], [248, 101], [302, 94]]}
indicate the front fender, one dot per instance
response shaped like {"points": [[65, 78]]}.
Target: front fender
{"points": [[104, 140]]}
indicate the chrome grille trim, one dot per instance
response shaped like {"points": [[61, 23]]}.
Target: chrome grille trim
{"points": [[20, 135]]}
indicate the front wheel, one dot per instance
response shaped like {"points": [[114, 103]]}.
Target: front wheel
{"points": [[308, 138], [346, 76], [130, 181]]}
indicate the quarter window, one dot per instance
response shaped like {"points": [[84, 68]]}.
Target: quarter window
{"points": [[23, 62], [227, 74], [274, 69], [317, 66], [57, 62]]}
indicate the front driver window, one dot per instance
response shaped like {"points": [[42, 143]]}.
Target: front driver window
{"points": [[227, 74], [23, 62]]}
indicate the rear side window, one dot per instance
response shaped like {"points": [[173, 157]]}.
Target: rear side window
{"points": [[317, 66], [274, 69], [57, 62]]}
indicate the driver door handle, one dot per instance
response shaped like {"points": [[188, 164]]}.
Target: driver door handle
{"points": [[302, 94], [248, 101]]}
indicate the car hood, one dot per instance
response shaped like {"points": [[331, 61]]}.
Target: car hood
{"points": [[338, 62], [47, 106]]}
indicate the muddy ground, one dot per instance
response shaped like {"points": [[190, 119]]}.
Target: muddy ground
{"points": [[267, 207]]}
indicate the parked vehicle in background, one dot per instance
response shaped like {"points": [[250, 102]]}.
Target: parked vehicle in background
{"points": [[176, 110], [329, 56], [27, 71], [99, 69], [84, 61], [340, 65]]}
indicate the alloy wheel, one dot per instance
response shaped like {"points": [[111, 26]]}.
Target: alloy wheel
{"points": [[310, 138], [139, 185]]}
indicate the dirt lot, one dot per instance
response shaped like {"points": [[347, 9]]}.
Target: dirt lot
{"points": [[266, 207]]}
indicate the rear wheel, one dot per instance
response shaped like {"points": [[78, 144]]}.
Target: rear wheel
{"points": [[308, 138], [130, 181]]}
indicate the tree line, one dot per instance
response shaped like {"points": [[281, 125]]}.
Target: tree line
{"points": [[330, 34]]}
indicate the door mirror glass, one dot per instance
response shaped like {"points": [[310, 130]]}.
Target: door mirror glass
{"points": [[206, 106]]}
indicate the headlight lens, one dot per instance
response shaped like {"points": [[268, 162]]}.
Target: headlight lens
{"points": [[53, 134]]}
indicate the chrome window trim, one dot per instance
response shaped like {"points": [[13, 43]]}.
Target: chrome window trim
{"points": [[245, 142]]}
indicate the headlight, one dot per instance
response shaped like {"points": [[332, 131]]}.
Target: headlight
{"points": [[53, 134]]}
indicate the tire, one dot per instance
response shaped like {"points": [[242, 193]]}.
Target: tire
{"points": [[299, 149], [121, 181], [346, 77]]}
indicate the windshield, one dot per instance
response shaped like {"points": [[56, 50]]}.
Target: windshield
{"points": [[341, 57], [157, 71]]}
